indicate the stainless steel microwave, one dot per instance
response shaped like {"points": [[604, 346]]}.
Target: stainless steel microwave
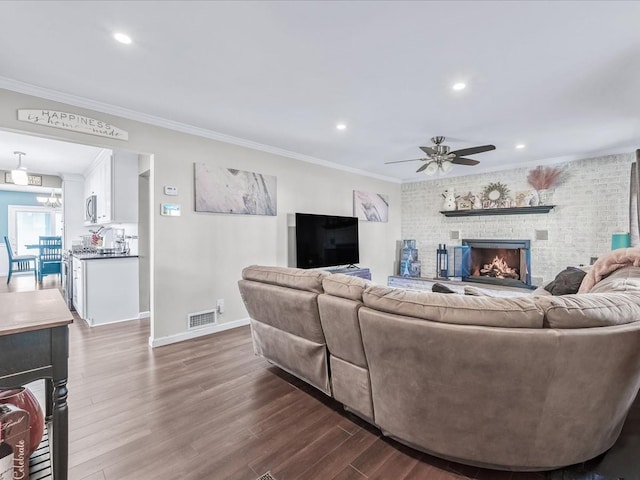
{"points": [[91, 210]]}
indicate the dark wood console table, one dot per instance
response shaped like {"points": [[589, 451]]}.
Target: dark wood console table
{"points": [[34, 345]]}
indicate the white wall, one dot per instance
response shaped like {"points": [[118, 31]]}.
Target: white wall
{"points": [[143, 241], [198, 257], [592, 202]]}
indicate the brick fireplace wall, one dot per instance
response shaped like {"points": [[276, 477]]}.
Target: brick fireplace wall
{"points": [[592, 202]]}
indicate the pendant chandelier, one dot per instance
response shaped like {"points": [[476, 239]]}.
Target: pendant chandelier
{"points": [[19, 174], [52, 201]]}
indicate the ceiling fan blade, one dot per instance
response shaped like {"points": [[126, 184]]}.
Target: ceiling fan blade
{"points": [[422, 167], [428, 150], [402, 161], [473, 150], [464, 161]]}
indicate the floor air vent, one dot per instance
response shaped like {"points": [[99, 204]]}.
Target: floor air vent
{"points": [[201, 319]]}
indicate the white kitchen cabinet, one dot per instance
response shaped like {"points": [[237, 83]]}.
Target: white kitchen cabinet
{"points": [[104, 191], [78, 286], [92, 181], [105, 289], [113, 179]]}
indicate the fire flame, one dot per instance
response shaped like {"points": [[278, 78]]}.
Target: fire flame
{"points": [[499, 268], [500, 265]]}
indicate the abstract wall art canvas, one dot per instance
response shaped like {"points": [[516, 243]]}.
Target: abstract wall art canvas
{"points": [[371, 207], [227, 190]]}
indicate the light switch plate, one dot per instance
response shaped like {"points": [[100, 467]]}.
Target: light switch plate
{"points": [[169, 190]]}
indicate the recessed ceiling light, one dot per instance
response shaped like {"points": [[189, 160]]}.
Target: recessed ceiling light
{"points": [[122, 38], [459, 86], [520, 146], [341, 126]]}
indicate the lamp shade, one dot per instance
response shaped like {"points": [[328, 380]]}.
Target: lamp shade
{"points": [[19, 174], [20, 177], [431, 168], [620, 240], [446, 166]]}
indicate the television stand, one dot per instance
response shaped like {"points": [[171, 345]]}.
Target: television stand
{"points": [[353, 270]]}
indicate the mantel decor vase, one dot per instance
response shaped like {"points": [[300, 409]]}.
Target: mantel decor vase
{"points": [[24, 398]]}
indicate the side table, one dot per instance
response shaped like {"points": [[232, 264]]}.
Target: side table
{"points": [[34, 345]]}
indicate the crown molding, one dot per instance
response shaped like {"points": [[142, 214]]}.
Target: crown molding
{"points": [[71, 177], [81, 102], [528, 164]]}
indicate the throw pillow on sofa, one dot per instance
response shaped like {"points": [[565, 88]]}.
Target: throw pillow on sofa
{"points": [[566, 282]]}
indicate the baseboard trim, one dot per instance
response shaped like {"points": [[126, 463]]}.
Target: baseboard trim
{"points": [[92, 325], [201, 332], [146, 314]]}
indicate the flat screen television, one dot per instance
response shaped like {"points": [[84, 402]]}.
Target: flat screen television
{"points": [[326, 240]]}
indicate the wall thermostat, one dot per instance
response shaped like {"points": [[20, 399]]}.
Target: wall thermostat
{"points": [[169, 190], [170, 209]]}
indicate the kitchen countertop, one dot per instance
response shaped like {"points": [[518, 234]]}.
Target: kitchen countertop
{"points": [[99, 256]]}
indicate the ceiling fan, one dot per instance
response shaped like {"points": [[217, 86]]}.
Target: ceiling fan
{"points": [[440, 158]]}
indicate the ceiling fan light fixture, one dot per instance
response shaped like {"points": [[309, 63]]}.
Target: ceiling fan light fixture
{"points": [[440, 157], [446, 166], [431, 168]]}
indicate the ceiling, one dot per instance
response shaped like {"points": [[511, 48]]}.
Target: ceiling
{"points": [[45, 156], [560, 77]]}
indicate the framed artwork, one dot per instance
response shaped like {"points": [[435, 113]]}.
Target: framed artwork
{"points": [[370, 207], [227, 190]]}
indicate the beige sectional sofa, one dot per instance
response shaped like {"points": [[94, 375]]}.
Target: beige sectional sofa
{"points": [[518, 383]]}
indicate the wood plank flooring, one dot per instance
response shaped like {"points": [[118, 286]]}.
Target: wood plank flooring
{"points": [[208, 409]]}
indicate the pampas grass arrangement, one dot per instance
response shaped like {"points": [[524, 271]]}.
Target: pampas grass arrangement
{"points": [[542, 178]]}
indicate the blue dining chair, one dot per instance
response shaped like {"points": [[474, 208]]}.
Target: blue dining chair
{"points": [[20, 263], [50, 257]]}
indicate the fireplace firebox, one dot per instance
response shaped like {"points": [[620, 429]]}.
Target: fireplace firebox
{"points": [[498, 262]]}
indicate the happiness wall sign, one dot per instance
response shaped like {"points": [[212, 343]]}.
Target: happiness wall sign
{"points": [[72, 121]]}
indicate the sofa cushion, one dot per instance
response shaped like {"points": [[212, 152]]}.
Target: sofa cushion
{"points": [[624, 280], [590, 309], [341, 327], [485, 292], [518, 312], [566, 282], [345, 286], [540, 291], [288, 309], [298, 278]]}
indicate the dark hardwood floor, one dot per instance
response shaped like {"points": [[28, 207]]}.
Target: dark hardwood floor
{"points": [[208, 409]]}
